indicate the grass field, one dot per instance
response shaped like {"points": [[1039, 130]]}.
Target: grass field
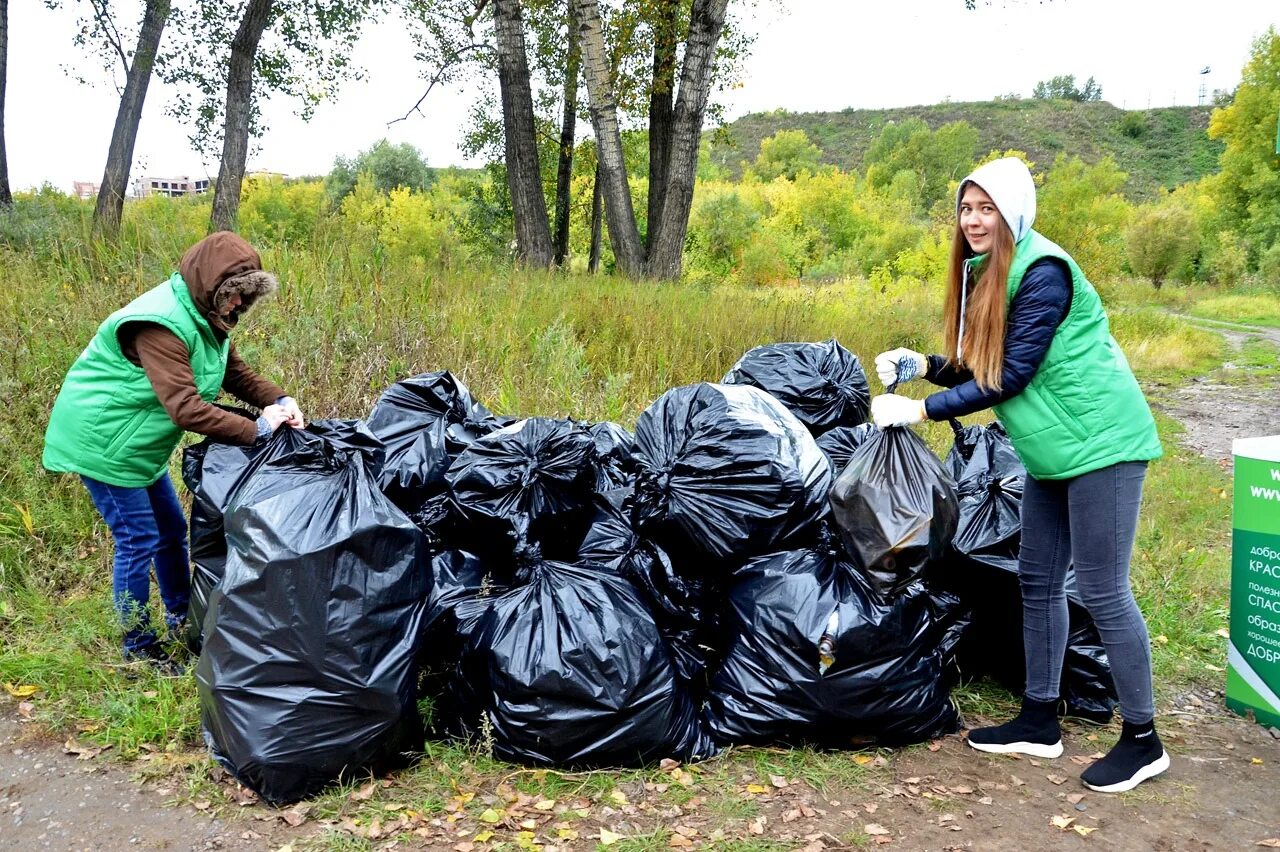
{"points": [[343, 327]]}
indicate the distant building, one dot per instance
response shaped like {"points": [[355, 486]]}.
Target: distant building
{"points": [[266, 174], [174, 187], [84, 189]]}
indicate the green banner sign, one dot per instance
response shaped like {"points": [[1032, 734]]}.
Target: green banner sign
{"points": [[1253, 658]]}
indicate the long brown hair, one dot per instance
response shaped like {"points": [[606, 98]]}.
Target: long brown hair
{"points": [[985, 307]]}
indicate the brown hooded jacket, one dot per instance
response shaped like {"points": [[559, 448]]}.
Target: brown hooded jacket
{"points": [[218, 266]]}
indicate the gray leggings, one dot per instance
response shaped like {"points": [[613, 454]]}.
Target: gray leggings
{"points": [[1090, 520]]}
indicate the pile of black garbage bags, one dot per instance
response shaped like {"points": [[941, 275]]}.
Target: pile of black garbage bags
{"points": [[754, 564]]}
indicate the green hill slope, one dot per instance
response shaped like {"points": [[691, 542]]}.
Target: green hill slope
{"points": [[1163, 147]]}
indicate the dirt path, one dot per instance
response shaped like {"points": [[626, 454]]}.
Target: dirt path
{"points": [[1219, 794], [1225, 405]]}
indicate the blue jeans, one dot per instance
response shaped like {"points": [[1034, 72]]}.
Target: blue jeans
{"points": [[1090, 520], [149, 529]]}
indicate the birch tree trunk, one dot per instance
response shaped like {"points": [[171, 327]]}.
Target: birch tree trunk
{"points": [[235, 134], [661, 109], [524, 179], [568, 132], [109, 207], [623, 233], [597, 222], [705, 25]]}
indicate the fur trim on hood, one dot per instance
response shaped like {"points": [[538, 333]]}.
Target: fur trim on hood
{"points": [[250, 286], [1008, 181]]}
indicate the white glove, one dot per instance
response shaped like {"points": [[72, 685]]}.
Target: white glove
{"points": [[293, 413], [900, 365], [890, 409]]}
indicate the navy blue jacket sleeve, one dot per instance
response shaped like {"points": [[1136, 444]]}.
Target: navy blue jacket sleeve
{"points": [[1041, 303]]}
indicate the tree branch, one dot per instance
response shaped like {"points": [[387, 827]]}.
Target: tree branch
{"points": [[439, 75], [109, 31]]}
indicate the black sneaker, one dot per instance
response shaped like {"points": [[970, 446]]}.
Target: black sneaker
{"points": [[1138, 755], [159, 659], [1034, 732]]}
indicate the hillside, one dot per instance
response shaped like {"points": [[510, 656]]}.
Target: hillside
{"points": [[1167, 147]]}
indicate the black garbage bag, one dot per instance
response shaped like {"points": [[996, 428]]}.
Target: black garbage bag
{"points": [[822, 384], [682, 604], [839, 444], [532, 479], [308, 673], [211, 470], [817, 656], [425, 421], [895, 507], [990, 479], [615, 466], [569, 669], [725, 471]]}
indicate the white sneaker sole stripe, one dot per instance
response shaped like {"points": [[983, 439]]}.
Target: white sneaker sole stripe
{"points": [[1032, 749], [1151, 770]]}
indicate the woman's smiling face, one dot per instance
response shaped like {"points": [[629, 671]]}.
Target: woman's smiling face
{"points": [[979, 219]]}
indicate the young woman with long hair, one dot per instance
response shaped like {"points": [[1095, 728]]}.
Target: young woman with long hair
{"points": [[1025, 333]]}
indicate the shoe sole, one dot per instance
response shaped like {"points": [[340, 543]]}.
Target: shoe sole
{"points": [[1031, 749], [1151, 770]]}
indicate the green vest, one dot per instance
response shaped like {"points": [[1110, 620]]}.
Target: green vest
{"points": [[1083, 409], [107, 422]]}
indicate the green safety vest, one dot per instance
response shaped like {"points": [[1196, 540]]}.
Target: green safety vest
{"points": [[107, 422], [1083, 409]]}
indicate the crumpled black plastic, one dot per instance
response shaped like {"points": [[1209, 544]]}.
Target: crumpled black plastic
{"points": [[425, 421], [681, 604], [839, 444], [614, 463], [823, 384], [725, 471], [532, 479], [888, 682], [895, 507], [211, 470], [568, 669], [308, 672], [990, 479]]}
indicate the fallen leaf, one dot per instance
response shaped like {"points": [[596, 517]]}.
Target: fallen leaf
{"points": [[1081, 760], [778, 781], [491, 816], [880, 762], [1063, 821], [756, 826], [962, 791], [288, 847], [21, 690], [464, 846], [871, 807], [294, 817], [566, 834], [985, 800], [1223, 632], [813, 846], [862, 759], [667, 764], [1270, 843], [1256, 761], [544, 805], [946, 818], [1083, 830], [365, 793], [1211, 667], [935, 746], [1075, 798], [875, 829], [791, 815], [483, 837], [1161, 639], [1034, 762], [807, 811], [757, 788], [1017, 782], [686, 830], [25, 709], [608, 838], [678, 841], [529, 824], [202, 805], [1057, 780], [618, 797], [912, 780]]}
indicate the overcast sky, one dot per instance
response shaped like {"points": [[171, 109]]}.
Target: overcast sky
{"points": [[808, 55]]}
